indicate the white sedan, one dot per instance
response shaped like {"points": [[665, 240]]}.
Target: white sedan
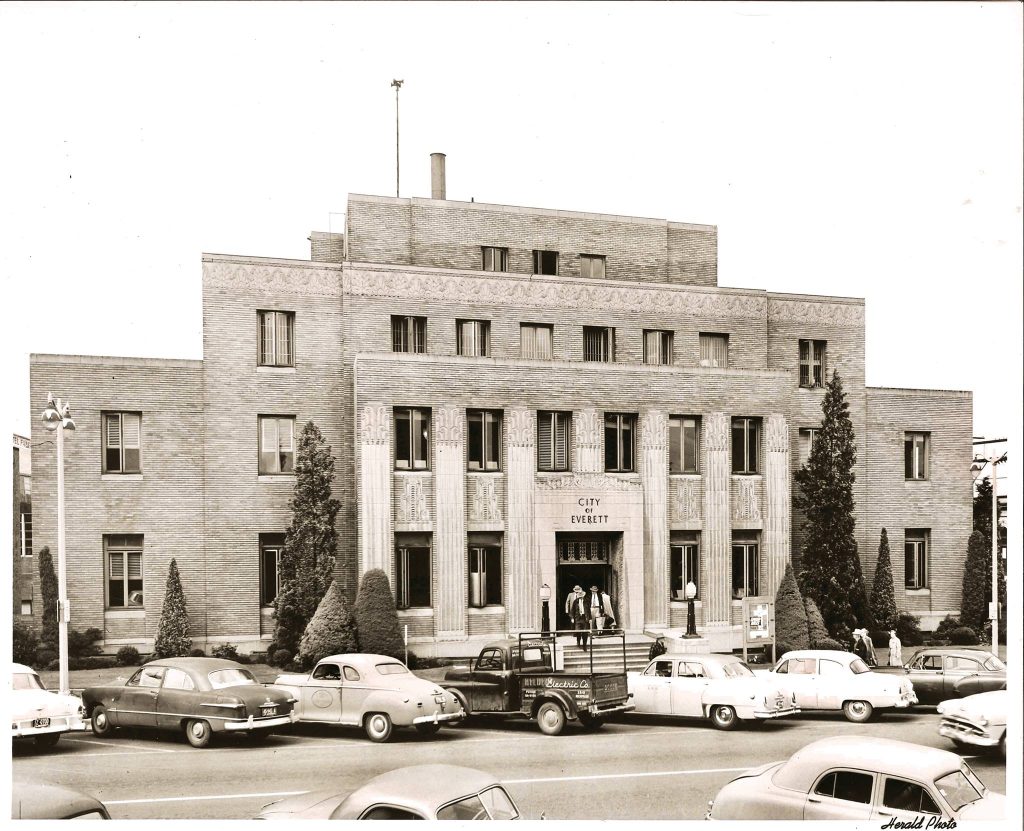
{"points": [[39, 714], [978, 720], [717, 687], [824, 679]]}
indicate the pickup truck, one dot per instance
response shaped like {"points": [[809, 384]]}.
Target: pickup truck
{"points": [[516, 677]]}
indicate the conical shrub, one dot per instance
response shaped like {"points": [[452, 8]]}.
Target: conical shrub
{"points": [[377, 629], [790, 617], [172, 637], [331, 630]]}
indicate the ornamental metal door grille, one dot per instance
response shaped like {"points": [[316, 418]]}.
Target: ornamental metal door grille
{"points": [[583, 551]]}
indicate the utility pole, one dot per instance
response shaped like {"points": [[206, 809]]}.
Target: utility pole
{"points": [[397, 85]]}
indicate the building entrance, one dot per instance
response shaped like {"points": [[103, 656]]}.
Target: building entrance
{"points": [[583, 560]]}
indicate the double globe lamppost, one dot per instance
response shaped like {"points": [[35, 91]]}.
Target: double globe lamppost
{"points": [[57, 418]]}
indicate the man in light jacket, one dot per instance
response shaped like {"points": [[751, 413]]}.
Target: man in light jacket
{"points": [[600, 605]]}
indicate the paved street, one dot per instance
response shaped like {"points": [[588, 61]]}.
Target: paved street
{"points": [[637, 768]]}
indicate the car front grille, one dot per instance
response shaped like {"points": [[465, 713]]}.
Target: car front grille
{"points": [[962, 726]]}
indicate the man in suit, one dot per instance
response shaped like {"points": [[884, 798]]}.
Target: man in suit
{"points": [[599, 605], [579, 614]]}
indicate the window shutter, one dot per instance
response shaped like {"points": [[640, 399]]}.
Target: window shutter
{"points": [[132, 440], [544, 441], [114, 431], [117, 566], [285, 437], [652, 347], [134, 565]]}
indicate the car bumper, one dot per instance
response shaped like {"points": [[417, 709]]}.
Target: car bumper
{"points": [[603, 712], [967, 733], [437, 718], [789, 711], [252, 723], [58, 724]]}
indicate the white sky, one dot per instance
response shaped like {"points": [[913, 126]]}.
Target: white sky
{"points": [[865, 150]]}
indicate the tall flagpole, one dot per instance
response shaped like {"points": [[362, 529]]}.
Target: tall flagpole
{"points": [[397, 85]]}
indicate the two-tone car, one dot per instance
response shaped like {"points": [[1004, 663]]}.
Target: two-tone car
{"points": [[941, 672], [417, 792], [199, 697], [825, 679], [977, 720], [861, 778], [38, 714], [720, 688], [375, 692]]}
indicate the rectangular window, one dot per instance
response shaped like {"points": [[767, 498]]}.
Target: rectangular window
{"points": [[495, 259], [485, 573], [535, 341], [122, 442], [619, 430], [545, 262], [484, 439], [915, 455], [807, 435], [277, 444], [714, 350], [412, 571], [684, 564], [598, 344], [683, 444], [412, 438], [26, 533], [276, 338], [124, 571], [915, 549], [592, 265], [26, 607], [473, 338], [745, 568], [408, 334], [657, 346], [554, 433], [812, 363], [746, 445], [271, 548]]}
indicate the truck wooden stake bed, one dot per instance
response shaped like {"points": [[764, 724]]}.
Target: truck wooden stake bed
{"points": [[516, 677]]}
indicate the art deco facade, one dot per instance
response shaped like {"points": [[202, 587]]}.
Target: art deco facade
{"points": [[514, 397]]}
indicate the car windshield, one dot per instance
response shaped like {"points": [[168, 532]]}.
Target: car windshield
{"points": [[994, 663], [737, 670], [231, 678], [493, 803], [391, 669], [857, 666], [960, 787], [26, 681]]}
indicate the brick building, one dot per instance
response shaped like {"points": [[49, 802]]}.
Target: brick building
{"points": [[515, 397]]}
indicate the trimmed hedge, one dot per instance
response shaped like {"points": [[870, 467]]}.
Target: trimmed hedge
{"points": [[330, 631], [790, 615], [127, 656], [376, 619], [964, 636]]}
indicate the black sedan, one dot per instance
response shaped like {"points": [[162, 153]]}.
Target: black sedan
{"points": [[942, 672], [199, 696]]}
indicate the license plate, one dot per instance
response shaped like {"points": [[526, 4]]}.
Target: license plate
{"points": [[40, 722], [268, 711]]}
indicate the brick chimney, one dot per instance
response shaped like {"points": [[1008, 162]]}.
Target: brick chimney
{"points": [[437, 176]]}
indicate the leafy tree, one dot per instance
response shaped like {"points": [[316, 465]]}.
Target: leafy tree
{"points": [[977, 582], [172, 637], [48, 589], [331, 630], [830, 566], [983, 524], [883, 594], [310, 543], [817, 633], [24, 643], [376, 619], [790, 615]]}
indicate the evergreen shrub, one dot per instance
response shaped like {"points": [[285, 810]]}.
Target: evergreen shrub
{"points": [[377, 629], [25, 643], [127, 656], [330, 630], [908, 629], [790, 615], [964, 636], [172, 636]]}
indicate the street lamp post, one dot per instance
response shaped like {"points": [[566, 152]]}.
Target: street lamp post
{"points": [[993, 610], [691, 620], [57, 417], [545, 606]]}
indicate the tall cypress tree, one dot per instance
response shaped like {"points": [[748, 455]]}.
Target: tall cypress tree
{"points": [[172, 637], [977, 582], [310, 543], [883, 593], [48, 589], [830, 566]]}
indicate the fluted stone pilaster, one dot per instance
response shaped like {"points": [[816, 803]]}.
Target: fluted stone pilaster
{"points": [[521, 555], [654, 477], [374, 442], [588, 440], [776, 540], [450, 523], [715, 539]]}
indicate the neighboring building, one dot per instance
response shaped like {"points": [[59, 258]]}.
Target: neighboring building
{"points": [[514, 397], [23, 594]]}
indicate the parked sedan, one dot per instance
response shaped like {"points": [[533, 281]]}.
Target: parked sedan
{"points": [[416, 792], [37, 713], [717, 687], [40, 800], [199, 696], [825, 679], [977, 720], [860, 778], [942, 672]]}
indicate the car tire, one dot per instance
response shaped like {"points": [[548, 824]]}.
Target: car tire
{"points": [[551, 718], [857, 711], [590, 722], [428, 728], [378, 726], [198, 732], [46, 741], [723, 716], [101, 725]]}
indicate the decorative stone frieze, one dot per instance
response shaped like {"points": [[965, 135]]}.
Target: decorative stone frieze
{"points": [[747, 507], [824, 313], [483, 500], [272, 279], [412, 500], [520, 427], [449, 425], [375, 424], [588, 482], [686, 500]]}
